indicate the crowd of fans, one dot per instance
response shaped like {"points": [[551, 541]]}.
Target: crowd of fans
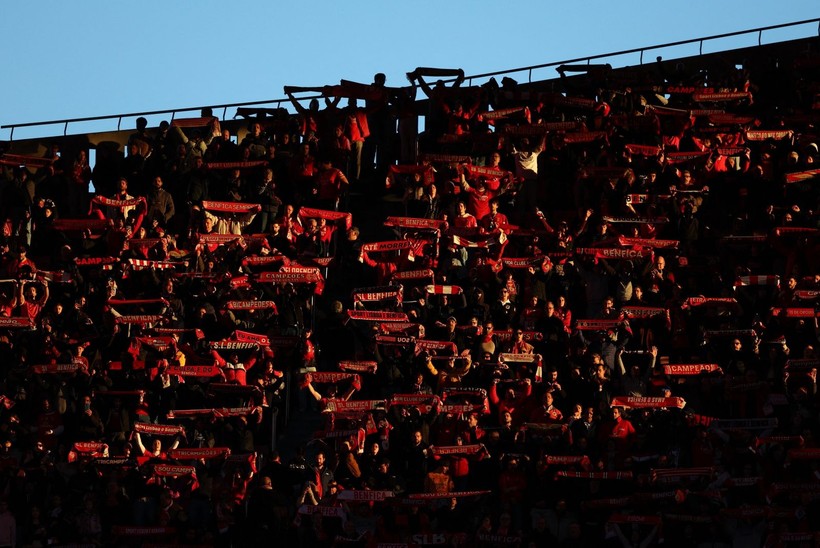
{"points": [[575, 313]]}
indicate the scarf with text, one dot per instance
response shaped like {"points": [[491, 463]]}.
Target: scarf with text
{"points": [[341, 218], [763, 135], [376, 316], [646, 242], [373, 294], [638, 402], [229, 207], [637, 220], [158, 429], [427, 173], [112, 202], [369, 367], [251, 305], [415, 222], [195, 453], [200, 371], [643, 311], [690, 369], [412, 275], [802, 176]]}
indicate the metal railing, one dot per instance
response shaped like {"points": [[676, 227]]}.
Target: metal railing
{"points": [[529, 69]]}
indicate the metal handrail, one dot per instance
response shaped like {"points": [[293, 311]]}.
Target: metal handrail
{"points": [[529, 70]]}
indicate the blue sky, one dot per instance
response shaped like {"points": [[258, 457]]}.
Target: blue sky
{"points": [[95, 57]]}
